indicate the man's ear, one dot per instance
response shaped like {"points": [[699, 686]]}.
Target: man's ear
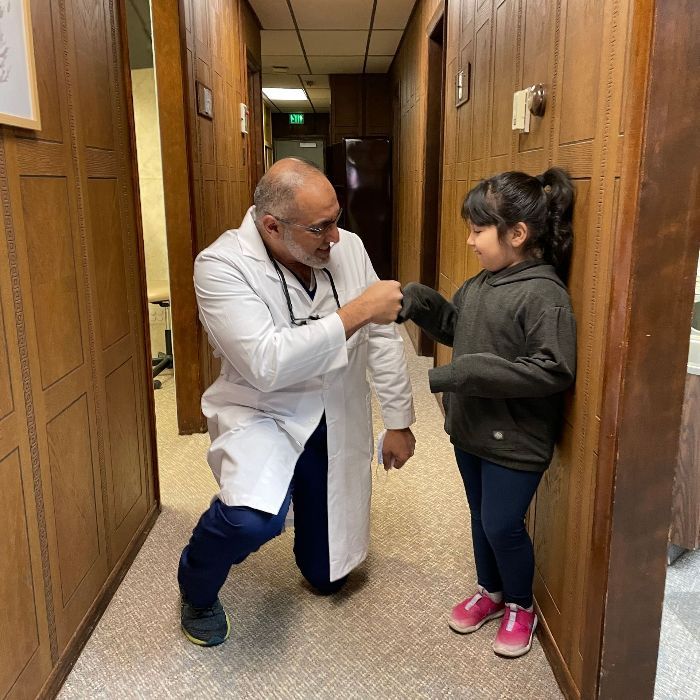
{"points": [[519, 234], [270, 226]]}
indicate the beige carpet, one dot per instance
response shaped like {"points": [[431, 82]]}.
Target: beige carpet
{"points": [[384, 636]]}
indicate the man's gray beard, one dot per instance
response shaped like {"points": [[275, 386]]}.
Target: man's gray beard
{"points": [[298, 253]]}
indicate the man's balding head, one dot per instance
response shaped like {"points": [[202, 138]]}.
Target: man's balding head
{"points": [[277, 190]]}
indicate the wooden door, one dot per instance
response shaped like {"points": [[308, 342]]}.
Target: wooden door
{"points": [[78, 426]]}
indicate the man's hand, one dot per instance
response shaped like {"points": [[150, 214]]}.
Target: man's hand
{"points": [[383, 300], [379, 303], [398, 448]]}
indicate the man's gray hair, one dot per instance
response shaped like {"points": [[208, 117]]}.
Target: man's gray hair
{"points": [[276, 191]]}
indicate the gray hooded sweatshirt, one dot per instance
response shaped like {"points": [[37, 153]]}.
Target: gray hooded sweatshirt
{"points": [[513, 335]]}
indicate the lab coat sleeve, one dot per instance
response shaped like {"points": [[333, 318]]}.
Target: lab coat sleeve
{"points": [[388, 369], [241, 329]]}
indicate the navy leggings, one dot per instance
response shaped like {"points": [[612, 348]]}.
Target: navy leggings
{"points": [[226, 535], [498, 499]]}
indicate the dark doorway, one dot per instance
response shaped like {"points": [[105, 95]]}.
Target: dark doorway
{"points": [[433, 161], [256, 154]]}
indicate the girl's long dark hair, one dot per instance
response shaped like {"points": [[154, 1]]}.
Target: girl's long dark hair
{"points": [[545, 204]]}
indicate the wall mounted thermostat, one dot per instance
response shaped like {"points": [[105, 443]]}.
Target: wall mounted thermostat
{"points": [[244, 118]]}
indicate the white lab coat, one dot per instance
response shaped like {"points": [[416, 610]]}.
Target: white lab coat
{"points": [[277, 380]]}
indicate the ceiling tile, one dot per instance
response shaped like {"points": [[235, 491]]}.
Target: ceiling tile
{"points": [[393, 14], [294, 64], [288, 107], [378, 64], [335, 43], [336, 14], [336, 64], [280, 43], [383, 42], [318, 93], [284, 80], [273, 14], [319, 81]]}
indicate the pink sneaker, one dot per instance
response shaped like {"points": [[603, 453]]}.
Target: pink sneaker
{"points": [[515, 634], [474, 612]]}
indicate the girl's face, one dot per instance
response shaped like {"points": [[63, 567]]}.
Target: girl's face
{"points": [[495, 254]]}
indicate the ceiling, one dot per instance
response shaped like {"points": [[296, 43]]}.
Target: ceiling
{"points": [[303, 41]]}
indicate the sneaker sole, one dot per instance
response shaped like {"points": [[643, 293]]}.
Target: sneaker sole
{"points": [[201, 642], [519, 652], [456, 627]]}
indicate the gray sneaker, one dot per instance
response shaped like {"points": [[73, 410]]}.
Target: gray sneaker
{"points": [[206, 627]]}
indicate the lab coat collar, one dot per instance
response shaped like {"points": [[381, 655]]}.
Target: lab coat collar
{"points": [[252, 246], [250, 239]]}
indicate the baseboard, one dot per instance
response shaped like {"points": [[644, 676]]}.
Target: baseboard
{"points": [[82, 634], [565, 680]]}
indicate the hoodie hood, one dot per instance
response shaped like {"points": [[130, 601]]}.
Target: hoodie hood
{"points": [[526, 270]]}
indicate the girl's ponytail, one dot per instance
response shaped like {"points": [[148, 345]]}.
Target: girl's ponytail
{"points": [[557, 247]]}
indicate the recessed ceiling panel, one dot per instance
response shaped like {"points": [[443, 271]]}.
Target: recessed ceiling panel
{"points": [[378, 64], [319, 81], [336, 43], [336, 64], [273, 14], [393, 14], [384, 42], [332, 14], [292, 64], [280, 43], [283, 80]]}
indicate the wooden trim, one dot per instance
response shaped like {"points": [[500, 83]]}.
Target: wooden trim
{"points": [[75, 646], [655, 252], [438, 14], [145, 367], [432, 164], [168, 49], [567, 685]]}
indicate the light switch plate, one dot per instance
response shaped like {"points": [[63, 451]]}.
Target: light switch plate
{"points": [[244, 118], [520, 110]]}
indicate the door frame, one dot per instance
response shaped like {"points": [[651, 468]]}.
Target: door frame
{"points": [[432, 163], [172, 93], [657, 238]]}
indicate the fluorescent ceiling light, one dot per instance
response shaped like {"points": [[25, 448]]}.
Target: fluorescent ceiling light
{"points": [[282, 94]]}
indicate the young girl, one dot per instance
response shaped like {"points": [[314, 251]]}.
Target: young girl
{"points": [[514, 351]]}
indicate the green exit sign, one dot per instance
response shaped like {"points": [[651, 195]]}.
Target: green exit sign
{"points": [[296, 118]]}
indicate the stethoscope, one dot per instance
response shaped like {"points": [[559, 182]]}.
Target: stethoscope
{"points": [[301, 321]]}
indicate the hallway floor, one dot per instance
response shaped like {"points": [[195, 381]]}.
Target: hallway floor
{"points": [[384, 636], [678, 671]]}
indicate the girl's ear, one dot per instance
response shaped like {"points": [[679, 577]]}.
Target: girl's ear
{"points": [[519, 234]]}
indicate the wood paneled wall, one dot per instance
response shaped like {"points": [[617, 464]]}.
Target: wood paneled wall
{"points": [[360, 106], [218, 33], [577, 49], [77, 456], [409, 90]]}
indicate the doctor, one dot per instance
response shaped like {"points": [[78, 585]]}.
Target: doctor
{"points": [[294, 310]]}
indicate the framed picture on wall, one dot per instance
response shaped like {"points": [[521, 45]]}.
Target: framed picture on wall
{"points": [[19, 101]]}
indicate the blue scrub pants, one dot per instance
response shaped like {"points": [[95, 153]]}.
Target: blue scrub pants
{"points": [[498, 500], [226, 535]]}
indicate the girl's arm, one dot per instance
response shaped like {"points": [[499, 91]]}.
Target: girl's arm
{"points": [[431, 311], [547, 366]]}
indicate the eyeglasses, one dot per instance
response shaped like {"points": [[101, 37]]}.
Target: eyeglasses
{"points": [[317, 231], [293, 319]]}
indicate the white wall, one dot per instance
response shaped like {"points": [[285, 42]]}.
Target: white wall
{"points": [[151, 189]]}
